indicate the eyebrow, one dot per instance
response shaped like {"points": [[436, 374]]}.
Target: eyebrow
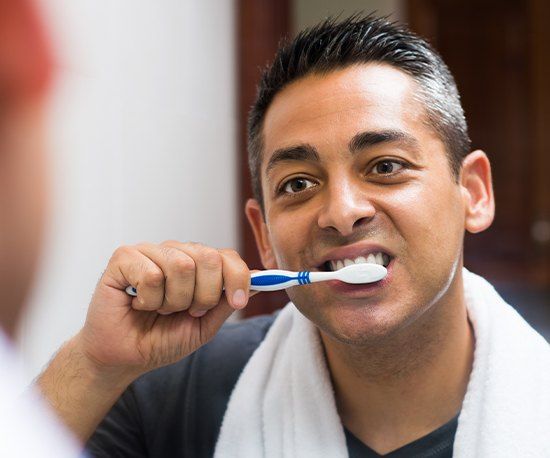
{"points": [[360, 141], [365, 140], [303, 152]]}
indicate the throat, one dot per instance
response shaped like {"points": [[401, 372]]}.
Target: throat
{"points": [[389, 395]]}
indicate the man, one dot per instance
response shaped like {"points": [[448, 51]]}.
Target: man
{"points": [[25, 72], [359, 152]]}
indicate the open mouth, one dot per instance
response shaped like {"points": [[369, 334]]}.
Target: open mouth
{"points": [[378, 257]]}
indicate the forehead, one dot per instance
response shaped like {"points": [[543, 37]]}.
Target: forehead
{"points": [[326, 110]]}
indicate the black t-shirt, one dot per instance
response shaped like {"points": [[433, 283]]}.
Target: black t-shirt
{"points": [[437, 444], [177, 411]]}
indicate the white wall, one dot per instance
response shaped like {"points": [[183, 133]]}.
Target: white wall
{"points": [[143, 134]]}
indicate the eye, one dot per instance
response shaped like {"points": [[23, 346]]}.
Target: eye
{"points": [[387, 167], [296, 185]]}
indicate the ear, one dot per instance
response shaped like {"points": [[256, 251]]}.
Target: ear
{"points": [[477, 191], [261, 234]]}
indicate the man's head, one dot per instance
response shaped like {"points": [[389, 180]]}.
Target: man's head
{"points": [[361, 149], [24, 75]]}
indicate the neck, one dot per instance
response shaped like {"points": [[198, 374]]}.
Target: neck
{"points": [[393, 392]]}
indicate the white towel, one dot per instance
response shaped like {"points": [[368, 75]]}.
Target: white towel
{"points": [[283, 404]]}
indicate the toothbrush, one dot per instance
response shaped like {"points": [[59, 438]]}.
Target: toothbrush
{"points": [[274, 280]]}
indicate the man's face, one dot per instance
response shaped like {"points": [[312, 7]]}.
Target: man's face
{"points": [[350, 168]]}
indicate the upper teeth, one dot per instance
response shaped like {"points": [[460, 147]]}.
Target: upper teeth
{"points": [[373, 258]]}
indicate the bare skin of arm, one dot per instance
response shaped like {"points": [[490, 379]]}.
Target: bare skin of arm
{"points": [[180, 306]]}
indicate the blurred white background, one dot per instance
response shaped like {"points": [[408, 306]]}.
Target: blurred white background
{"points": [[142, 140]]}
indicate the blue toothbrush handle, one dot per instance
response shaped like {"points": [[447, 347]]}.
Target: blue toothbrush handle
{"points": [[274, 280], [270, 280]]}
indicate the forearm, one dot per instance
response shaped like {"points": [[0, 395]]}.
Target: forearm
{"points": [[80, 392]]}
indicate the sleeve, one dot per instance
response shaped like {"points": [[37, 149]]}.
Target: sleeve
{"points": [[120, 433], [177, 410]]}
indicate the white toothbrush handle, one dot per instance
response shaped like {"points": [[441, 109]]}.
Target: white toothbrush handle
{"points": [[314, 277]]}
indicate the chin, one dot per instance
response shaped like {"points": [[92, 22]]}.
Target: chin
{"points": [[362, 332], [358, 326]]}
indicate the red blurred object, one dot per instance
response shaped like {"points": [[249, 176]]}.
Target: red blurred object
{"points": [[25, 59]]}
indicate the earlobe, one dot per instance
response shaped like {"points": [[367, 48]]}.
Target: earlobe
{"points": [[477, 190], [261, 235]]}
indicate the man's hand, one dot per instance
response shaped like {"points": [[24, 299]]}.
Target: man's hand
{"points": [[180, 305]]}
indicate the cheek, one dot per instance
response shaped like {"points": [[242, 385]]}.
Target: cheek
{"points": [[431, 220], [289, 238], [428, 212], [441, 215]]}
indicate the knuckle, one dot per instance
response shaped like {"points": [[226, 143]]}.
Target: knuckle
{"points": [[211, 258], [237, 278], [170, 243], [167, 252], [183, 265], [229, 252], [153, 278], [121, 252], [243, 272], [239, 271]]}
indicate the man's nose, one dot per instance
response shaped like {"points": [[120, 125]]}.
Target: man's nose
{"points": [[347, 206]]}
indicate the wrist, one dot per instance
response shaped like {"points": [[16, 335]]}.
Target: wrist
{"points": [[115, 377]]}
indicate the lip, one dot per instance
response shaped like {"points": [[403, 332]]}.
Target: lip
{"points": [[354, 251]]}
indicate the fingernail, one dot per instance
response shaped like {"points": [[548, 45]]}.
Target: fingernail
{"points": [[239, 298], [198, 313]]}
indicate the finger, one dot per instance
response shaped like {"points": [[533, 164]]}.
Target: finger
{"points": [[236, 278], [208, 276], [141, 272], [179, 271], [208, 281]]}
